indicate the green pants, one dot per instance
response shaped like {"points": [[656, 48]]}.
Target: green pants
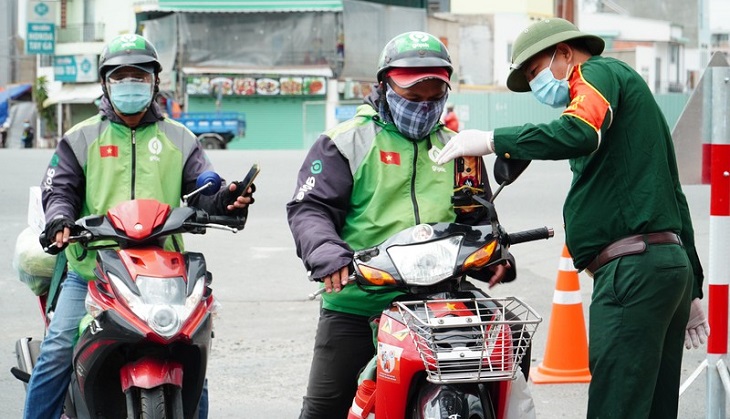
{"points": [[638, 315]]}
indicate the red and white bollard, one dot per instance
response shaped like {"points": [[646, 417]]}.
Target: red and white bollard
{"points": [[718, 381], [716, 169], [718, 378]]}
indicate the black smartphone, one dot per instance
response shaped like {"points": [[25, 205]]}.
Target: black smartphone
{"points": [[248, 180]]}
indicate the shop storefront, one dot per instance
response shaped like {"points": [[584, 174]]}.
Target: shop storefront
{"points": [[282, 64], [283, 110]]}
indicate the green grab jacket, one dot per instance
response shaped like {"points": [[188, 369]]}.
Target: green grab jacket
{"points": [[362, 182], [101, 162]]}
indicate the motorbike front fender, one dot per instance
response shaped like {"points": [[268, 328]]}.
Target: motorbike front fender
{"points": [[151, 372]]}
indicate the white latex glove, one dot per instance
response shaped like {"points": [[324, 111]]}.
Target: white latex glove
{"points": [[697, 327], [470, 142]]}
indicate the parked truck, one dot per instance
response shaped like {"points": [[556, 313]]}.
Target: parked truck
{"points": [[213, 129]]}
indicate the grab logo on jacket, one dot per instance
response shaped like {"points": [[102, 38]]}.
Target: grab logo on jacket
{"points": [[433, 154], [155, 148]]}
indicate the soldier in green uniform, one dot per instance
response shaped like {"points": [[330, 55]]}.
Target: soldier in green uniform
{"points": [[626, 218]]}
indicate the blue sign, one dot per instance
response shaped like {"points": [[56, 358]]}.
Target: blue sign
{"points": [[343, 113], [75, 68], [41, 9], [41, 38]]}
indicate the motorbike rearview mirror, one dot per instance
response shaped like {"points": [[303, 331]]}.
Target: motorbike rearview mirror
{"points": [[507, 171], [208, 183]]}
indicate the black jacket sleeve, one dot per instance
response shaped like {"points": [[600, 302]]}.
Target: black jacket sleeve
{"points": [[318, 209], [64, 184]]}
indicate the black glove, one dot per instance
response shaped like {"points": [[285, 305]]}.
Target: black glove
{"points": [[48, 236], [225, 197]]}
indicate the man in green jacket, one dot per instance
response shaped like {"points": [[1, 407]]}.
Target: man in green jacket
{"points": [[128, 151], [363, 181], [626, 218]]}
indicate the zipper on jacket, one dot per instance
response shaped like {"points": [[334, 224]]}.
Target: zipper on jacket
{"points": [[413, 183], [134, 160]]}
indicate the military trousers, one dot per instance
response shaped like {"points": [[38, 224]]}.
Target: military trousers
{"points": [[638, 316]]}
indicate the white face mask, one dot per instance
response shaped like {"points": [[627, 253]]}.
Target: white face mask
{"points": [[549, 90]]}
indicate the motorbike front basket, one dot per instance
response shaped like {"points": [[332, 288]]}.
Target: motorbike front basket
{"points": [[470, 340]]}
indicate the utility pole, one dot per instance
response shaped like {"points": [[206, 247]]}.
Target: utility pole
{"points": [[566, 9]]}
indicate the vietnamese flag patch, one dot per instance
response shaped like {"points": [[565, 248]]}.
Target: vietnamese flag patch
{"points": [[390, 157], [109, 151]]}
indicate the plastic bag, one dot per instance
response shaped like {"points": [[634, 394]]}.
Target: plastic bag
{"points": [[35, 267], [521, 405]]}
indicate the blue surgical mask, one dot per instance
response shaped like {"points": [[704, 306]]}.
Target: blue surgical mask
{"points": [[415, 120], [549, 90], [130, 97]]}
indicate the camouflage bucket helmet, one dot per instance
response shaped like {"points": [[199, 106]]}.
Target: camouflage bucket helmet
{"points": [[413, 49], [539, 36], [128, 49]]}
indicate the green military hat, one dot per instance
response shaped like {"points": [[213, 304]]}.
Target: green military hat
{"points": [[539, 36]]}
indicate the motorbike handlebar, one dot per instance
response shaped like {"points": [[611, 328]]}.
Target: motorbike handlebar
{"points": [[530, 235], [226, 220]]}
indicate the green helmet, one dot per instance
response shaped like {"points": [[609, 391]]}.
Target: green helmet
{"points": [[539, 36], [128, 49], [413, 49]]}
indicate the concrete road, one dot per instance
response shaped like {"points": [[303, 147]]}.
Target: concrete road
{"points": [[265, 329]]}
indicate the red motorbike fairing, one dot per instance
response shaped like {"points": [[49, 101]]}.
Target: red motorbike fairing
{"points": [[398, 363], [150, 372], [153, 262], [138, 218]]}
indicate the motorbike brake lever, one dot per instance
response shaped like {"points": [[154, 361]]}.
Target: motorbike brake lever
{"points": [[321, 290], [71, 239]]}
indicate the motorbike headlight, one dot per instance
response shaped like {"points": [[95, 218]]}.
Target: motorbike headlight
{"points": [[130, 297], [197, 294], [164, 320], [92, 307], [163, 302], [162, 290], [426, 263]]}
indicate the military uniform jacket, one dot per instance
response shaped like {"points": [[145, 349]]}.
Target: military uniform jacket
{"points": [[625, 177]]}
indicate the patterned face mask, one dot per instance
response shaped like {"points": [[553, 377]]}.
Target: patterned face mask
{"points": [[415, 120]]}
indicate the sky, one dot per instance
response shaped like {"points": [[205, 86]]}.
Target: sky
{"points": [[720, 14]]}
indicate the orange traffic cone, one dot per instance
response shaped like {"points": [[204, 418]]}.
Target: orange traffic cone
{"points": [[566, 351]]}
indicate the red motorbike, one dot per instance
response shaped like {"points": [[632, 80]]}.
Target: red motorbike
{"points": [[143, 347], [445, 349]]}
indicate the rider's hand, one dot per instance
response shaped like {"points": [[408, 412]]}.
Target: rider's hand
{"points": [[230, 200], [499, 272], [336, 280], [697, 327], [469, 142], [55, 235]]}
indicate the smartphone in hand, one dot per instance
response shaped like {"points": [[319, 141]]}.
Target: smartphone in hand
{"points": [[247, 181]]}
